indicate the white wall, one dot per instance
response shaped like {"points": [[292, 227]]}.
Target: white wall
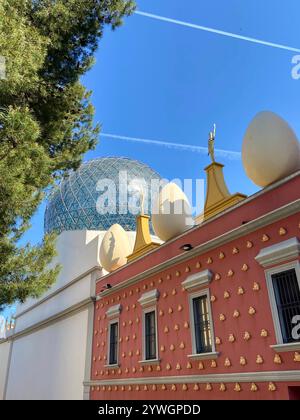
{"points": [[4, 357], [50, 363]]}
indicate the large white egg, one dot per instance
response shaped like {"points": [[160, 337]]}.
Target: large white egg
{"points": [[115, 248], [270, 149], [171, 212]]}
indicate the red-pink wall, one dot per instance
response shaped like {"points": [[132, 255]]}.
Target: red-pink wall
{"points": [[173, 312]]}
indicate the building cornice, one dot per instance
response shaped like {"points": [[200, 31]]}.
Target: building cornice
{"points": [[278, 253], [267, 219], [273, 376], [51, 320], [59, 290]]}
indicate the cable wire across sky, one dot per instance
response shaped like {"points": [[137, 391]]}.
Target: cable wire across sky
{"points": [[217, 31]]}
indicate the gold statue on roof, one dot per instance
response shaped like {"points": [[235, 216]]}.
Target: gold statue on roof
{"points": [[211, 144]]}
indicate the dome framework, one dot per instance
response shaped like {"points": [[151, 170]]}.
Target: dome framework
{"points": [[74, 204]]}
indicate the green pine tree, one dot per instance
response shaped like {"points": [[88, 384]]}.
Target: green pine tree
{"points": [[46, 120]]}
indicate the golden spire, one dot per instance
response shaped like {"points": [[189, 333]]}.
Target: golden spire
{"points": [[218, 197], [143, 241]]}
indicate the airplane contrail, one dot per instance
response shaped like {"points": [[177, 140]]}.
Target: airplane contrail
{"points": [[229, 154], [217, 31]]}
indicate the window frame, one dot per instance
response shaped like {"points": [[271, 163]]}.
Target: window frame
{"points": [[192, 296], [146, 311], [272, 299], [110, 323]]}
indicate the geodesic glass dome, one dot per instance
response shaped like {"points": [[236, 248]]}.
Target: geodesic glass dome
{"points": [[74, 204]]}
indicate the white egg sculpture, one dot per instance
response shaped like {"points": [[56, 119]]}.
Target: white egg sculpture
{"points": [[171, 212], [270, 149], [115, 248]]}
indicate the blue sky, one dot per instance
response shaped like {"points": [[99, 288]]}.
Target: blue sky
{"points": [[161, 81]]}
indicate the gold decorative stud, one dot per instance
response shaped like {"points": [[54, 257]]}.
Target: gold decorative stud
{"points": [[251, 311], [256, 286], [151, 283], [119, 371], [265, 238], [264, 333], [236, 313], [272, 387], [187, 269], [127, 338], [218, 340], [137, 320], [237, 387], [209, 260], [168, 366], [221, 255], [150, 368], [249, 244], [133, 369], [196, 387], [145, 388], [133, 306], [208, 387], [277, 359], [282, 231], [130, 353], [126, 370], [217, 276], [174, 292], [243, 361], [186, 325], [170, 310], [158, 368], [161, 313], [198, 264], [235, 251], [200, 366], [226, 294], [162, 348], [134, 336], [163, 387], [137, 290], [137, 388], [138, 352], [123, 354], [231, 338], [165, 294], [168, 276], [160, 280], [296, 356], [173, 387], [227, 362], [241, 291], [176, 327], [178, 367], [179, 308], [213, 298], [130, 292], [153, 387], [130, 322], [222, 317], [184, 387], [189, 365], [222, 387], [247, 336], [182, 345], [178, 274], [145, 287], [253, 387], [245, 267], [259, 359], [166, 329], [230, 273], [172, 347], [141, 369], [213, 364]]}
